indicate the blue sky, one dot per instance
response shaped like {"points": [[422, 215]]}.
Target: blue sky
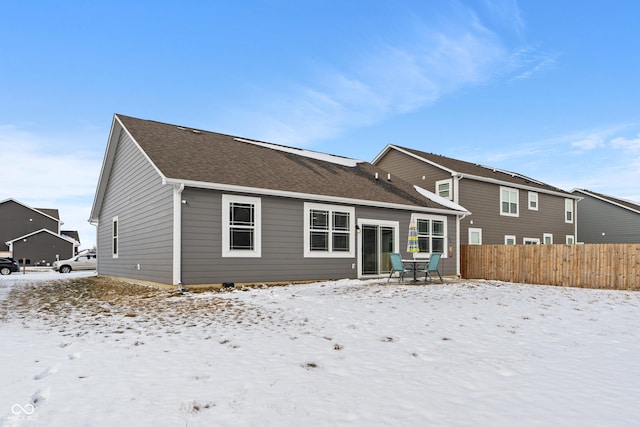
{"points": [[544, 88]]}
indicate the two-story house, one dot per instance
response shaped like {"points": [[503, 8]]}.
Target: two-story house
{"points": [[506, 207]]}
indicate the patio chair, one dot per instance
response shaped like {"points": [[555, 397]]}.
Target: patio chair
{"points": [[432, 267], [397, 266]]}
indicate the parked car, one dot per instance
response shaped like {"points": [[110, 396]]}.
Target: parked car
{"points": [[8, 266], [85, 261]]}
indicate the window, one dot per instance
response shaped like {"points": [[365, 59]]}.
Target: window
{"points": [[533, 201], [443, 189], [241, 226], [329, 231], [547, 239], [569, 239], [114, 237], [530, 241], [432, 234], [568, 210], [508, 201], [475, 236], [509, 240]]}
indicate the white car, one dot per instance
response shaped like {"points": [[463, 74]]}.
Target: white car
{"points": [[86, 261]]}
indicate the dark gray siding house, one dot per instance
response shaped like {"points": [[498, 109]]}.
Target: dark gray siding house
{"points": [[42, 248], [32, 235], [176, 205], [607, 219], [18, 219], [507, 208]]}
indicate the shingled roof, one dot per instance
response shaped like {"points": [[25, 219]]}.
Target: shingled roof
{"points": [[195, 156], [476, 170]]}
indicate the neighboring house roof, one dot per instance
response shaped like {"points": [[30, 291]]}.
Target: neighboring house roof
{"points": [[476, 171], [51, 213], [625, 204], [205, 159], [44, 230], [72, 234]]}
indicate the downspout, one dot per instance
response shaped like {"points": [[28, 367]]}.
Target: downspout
{"points": [[177, 235]]}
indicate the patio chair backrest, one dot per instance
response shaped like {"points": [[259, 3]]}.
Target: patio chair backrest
{"points": [[396, 262], [434, 259]]}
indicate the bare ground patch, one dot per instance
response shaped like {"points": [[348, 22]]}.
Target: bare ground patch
{"points": [[100, 304]]}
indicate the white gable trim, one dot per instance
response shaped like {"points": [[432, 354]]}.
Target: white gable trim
{"points": [[117, 128], [33, 209], [61, 236], [611, 202]]}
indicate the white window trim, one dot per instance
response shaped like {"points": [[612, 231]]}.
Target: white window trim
{"points": [[308, 253], [533, 195], [475, 230], [445, 181], [415, 217], [115, 237], [227, 252], [568, 203], [544, 238], [570, 239], [515, 190], [526, 240], [510, 237]]}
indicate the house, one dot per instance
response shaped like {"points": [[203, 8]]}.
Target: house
{"points": [[607, 219], [42, 247], [176, 205], [32, 235], [507, 208]]}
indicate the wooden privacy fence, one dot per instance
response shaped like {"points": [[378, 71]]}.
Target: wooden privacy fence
{"points": [[598, 266]]}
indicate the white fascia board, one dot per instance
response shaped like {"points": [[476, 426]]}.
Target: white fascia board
{"points": [[33, 233], [305, 196], [117, 128], [611, 202], [33, 209], [520, 186]]}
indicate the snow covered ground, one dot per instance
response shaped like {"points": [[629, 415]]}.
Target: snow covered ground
{"points": [[344, 353]]}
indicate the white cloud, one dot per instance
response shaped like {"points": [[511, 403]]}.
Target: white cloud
{"points": [[382, 80], [51, 172], [628, 145]]}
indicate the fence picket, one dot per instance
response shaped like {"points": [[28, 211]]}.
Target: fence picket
{"points": [[600, 266]]}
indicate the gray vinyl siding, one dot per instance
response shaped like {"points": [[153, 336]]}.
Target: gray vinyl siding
{"points": [[17, 220], [483, 200], [42, 249], [282, 245], [144, 208], [596, 217], [282, 256], [412, 170]]}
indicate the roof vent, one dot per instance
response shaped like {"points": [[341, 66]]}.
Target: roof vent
{"points": [[376, 175], [195, 131], [181, 128], [388, 177]]}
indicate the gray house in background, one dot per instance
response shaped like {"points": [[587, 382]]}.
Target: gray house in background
{"points": [[508, 208], [607, 219], [33, 235], [176, 205]]}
